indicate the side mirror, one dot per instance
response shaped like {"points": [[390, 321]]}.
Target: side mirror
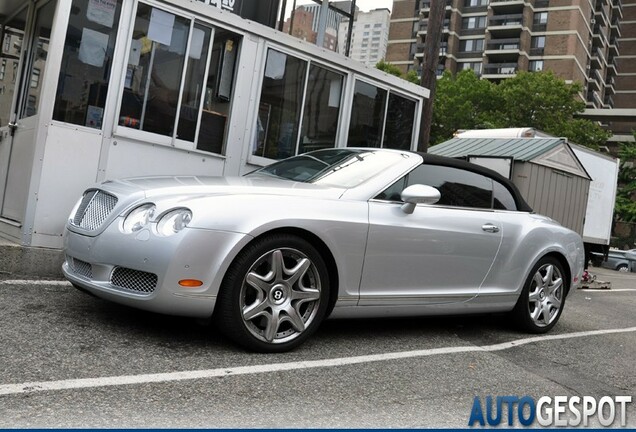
{"points": [[418, 194]]}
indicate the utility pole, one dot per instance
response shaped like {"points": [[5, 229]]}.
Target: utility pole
{"points": [[429, 67]]}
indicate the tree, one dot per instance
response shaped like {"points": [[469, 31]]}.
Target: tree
{"points": [[463, 101], [394, 70], [625, 208], [389, 68], [539, 100]]}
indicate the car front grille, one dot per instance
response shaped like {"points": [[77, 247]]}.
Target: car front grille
{"points": [[134, 280], [95, 207], [79, 267]]}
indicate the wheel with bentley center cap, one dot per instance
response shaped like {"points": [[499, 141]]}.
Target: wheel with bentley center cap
{"points": [[275, 294], [543, 297]]}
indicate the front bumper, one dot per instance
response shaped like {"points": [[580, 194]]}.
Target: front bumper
{"points": [[143, 270]]}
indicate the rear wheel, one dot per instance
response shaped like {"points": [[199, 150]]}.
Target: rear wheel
{"points": [[543, 296], [274, 295], [622, 268]]}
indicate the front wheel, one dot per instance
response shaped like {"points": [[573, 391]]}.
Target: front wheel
{"points": [[543, 296], [622, 268], [274, 295]]}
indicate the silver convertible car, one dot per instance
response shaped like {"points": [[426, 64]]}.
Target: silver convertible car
{"points": [[337, 232]]}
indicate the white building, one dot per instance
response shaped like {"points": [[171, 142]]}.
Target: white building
{"points": [[370, 36], [94, 90]]}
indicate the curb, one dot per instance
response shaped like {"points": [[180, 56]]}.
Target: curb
{"points": [[30, 261]]}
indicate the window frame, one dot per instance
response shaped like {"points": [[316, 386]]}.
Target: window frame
{"points": [[493, 181], [154, 138], [253, 159]]}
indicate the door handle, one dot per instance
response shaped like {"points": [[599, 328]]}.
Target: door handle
{"points": [[490, 228], [12, 127]]}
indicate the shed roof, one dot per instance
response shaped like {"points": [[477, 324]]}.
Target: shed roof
{"points": [[551, 152], [521, 149]]}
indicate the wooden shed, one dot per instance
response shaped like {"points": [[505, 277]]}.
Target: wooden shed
{"points": [[546, 170]]}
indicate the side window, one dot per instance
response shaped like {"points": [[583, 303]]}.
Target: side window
{"points": [[458, 188], [503, 199]]}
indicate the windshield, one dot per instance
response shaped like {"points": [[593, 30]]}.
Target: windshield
{"points": [[344, 168]]}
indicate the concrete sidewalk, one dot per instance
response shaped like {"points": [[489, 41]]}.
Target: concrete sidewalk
{"points": [[30, 261]]}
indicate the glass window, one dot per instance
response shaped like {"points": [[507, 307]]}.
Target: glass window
{"points": [[398, 132], [322, 109], [538, 42], [503, 199], [536, 65], [155, 68], [39, 53], [458, 187], [475, 66], [218, 90], [35, 78], [474, 22], [280, 104], [472, 45], [3, 69], [193, 84], [367, 116], [86, 63], [541, 18]]}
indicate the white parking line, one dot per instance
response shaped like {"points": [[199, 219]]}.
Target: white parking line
{"points": [[587, 290], [31, 387]]}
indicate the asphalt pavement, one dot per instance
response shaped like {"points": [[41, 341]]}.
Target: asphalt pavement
{"points": [[71, 360]]}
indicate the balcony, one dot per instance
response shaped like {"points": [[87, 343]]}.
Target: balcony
{"points": [[593, 84], [497, 71], [501, 50], [505, 25], [615, 30], [507, 6], [594, 99], [595, 62], [425, 6]]}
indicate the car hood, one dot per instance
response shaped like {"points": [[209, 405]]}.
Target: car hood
{"points": [[155, 187]]}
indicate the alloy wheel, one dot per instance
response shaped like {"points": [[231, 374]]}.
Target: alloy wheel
{"points": [[545, 295], [280, 295]]}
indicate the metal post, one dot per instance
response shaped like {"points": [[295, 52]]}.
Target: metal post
{"points": [[429, 67], [322, 23]]}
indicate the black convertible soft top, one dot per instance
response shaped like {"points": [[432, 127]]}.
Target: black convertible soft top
{"points": [[430, 159]]}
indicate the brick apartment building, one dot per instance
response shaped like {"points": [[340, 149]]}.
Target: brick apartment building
{"points": [[579, 40]]}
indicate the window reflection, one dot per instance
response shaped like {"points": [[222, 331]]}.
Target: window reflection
{"points": [[322, 110], [398, 132], [219, 87], [86, 63], [155, 68], [279, 111], [367, 116]]}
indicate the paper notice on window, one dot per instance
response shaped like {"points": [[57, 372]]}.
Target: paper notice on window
{"points": [[196, 45], [161, 25], [335, 90], [275, 67], [135, 52], [93, 47], [102, 12]]}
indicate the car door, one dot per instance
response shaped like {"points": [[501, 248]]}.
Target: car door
{"points": [[440, 253]]}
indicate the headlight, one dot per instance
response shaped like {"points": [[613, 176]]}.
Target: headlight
{"points": [[174, 221], [138, 218]]}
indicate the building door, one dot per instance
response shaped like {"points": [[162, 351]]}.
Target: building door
{"points": [[25, 44]]}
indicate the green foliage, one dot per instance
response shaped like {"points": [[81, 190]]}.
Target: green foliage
{"points": [[389, 68], [392, 69], [625, 209], [530, 99], [462, 101]]}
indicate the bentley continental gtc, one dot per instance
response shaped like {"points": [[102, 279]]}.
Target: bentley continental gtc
{"points": [[331, 233]]}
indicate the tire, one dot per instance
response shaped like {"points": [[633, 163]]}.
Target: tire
{"points": [[543, 297], [623, 268], [274, 295]]}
